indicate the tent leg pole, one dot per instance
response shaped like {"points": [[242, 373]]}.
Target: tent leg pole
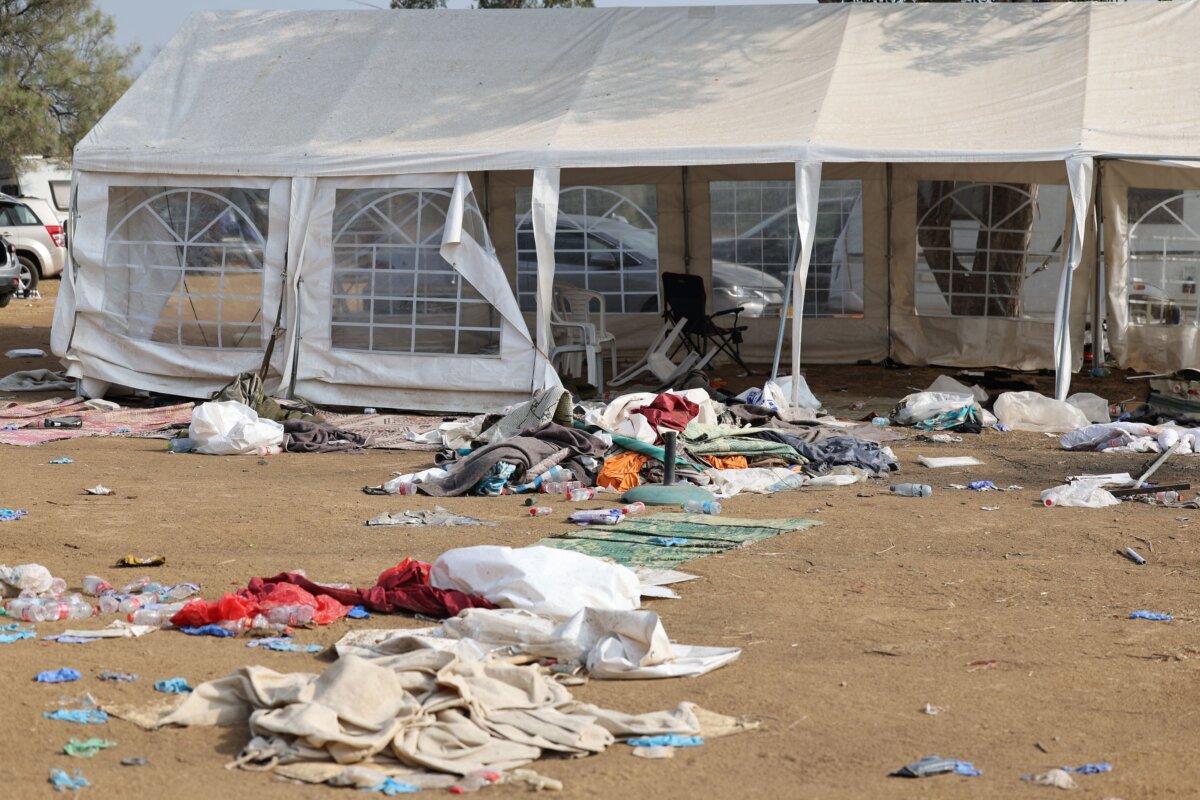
{"points": [[783, 315], [1101, 285]]}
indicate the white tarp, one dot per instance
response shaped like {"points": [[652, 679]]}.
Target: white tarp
{"points": [[297, 93]]}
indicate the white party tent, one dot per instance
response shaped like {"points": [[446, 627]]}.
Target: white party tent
{"points": [[391, 194]]}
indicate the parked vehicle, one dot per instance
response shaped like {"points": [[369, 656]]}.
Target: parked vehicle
{"points": [[47, 179], [40, 239], [10, 271]]}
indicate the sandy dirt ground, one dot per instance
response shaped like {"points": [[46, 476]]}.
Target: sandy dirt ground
{"points": [[849, 629]]}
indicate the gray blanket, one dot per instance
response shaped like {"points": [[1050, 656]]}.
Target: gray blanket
{"points": [[524, 450]]}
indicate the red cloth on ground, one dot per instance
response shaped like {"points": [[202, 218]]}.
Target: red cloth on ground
{"points": [[325, 609], [404, 587], [669, 411], [203, 612]]}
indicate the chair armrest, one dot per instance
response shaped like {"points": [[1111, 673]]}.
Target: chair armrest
{"points": [[734, 311]]}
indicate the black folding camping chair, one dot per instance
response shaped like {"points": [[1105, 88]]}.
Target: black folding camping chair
{"points": [[686, 299]]}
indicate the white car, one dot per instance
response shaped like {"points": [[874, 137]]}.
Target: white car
{"points": [[41, 241]]}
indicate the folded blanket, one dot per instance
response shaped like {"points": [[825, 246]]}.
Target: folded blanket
{"points": [[303, 436]]}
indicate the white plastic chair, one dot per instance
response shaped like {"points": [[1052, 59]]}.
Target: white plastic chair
{"points": [[657, 360], [570, 311]]}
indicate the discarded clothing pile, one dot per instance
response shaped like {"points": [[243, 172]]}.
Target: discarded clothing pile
{"points": [[404, 587], [411, 716]]}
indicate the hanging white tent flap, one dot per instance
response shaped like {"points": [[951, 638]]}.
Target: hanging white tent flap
{"points": [[808, 192], [544, 208], [1079, 178]]}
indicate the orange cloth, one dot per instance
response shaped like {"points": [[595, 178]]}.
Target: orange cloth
{"points": [[621, 472], [726, 462]]}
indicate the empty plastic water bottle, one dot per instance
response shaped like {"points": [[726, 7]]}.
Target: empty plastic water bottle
{"points": [[600, 516], [157, 615], [110, 602], [182, 445], [912, 489], [881, 422], [540, 511], [475, 781], [702, 507], [560, 487], [581, 493], [26, 609], [633, 508], [136, 586], [406, 487], [180, 591], [557, 473], [298, 614], [132, 603], [95, 586]]}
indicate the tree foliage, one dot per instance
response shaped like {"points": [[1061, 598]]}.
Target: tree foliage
{"points": [[60, 71]]}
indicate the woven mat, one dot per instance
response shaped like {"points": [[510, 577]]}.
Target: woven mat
{"points": [[668, 539], [132, 422]]}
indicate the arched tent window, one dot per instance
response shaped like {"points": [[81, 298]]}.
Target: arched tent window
{"points": [[989, 249], [1164, 257], [391, 289], [606, 241], [184, 266]]}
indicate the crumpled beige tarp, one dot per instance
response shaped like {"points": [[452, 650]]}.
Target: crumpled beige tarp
{"points": [[424, 711], [610, 644]]}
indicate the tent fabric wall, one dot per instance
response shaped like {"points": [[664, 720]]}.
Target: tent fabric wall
{"points": [[85, 338], [1154, 347], [1022, 344], [443, 382]]}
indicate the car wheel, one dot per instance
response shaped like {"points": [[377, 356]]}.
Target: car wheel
{"points": [[5, 299], [29, 274]]}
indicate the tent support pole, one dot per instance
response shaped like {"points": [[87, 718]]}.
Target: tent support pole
{"points": [[783, 312], [1101, 282], [887, 251], [687, 223]]}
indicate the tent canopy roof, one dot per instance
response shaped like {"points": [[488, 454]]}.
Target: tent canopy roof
{"points": [[368, 92]]}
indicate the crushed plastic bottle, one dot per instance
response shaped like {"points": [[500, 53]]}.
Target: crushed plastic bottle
{"points": [[560, 487], [157, 615], [474, 781], [183, 444], [136, 585], [33, 609], [911, 489], [110, 602], [881, 422], [581, 493], [600, 516], [294, 615], [96, 586], [540, 511], [636, 507], [180, 591], [702, 507], [132, 603]]}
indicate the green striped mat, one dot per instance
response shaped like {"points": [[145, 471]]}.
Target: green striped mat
{"points": [[668, 539]]}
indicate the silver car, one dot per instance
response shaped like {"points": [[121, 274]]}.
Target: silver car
{"points": [[40, 240], [10, 271]]}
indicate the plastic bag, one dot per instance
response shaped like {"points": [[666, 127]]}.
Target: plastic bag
{"points": [[948, 385], [1030, 411], [1081, 494], [920, 406], [1094, 407], [544, 580], [230, 428]]}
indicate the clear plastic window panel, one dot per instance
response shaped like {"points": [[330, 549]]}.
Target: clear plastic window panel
{"points": [[184, 266], [1164, 257], [606, 241], [392, 291], [989, 249], [754, 243]]}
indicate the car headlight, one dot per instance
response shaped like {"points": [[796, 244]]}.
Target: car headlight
{"points": [[736, 291]]}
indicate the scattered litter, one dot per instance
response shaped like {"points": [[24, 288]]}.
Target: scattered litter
{"points": [[211, 629], [64, 638], [141, 561], [62, 782], [80, 716], [936, 765], [983, 663], [942, 462], [474, 781], [989, 508], [86, 748], [669, 541], [944, 438], [982, 486], [1133, 555], [283, 645], [392, 787], [1154, 616], [172, 686], [117, 629], [1091, 769], [654, 752], [666, 740], [64, 675], [12, 514], [911, 489], [932, 710], [12, 632], [99, 489], [62, 460], [1080, 494], [358, 612], [1058, 778], [532, 780], [437, 517], [26, 352], [119, 677], [600, 516], [134, 761]]}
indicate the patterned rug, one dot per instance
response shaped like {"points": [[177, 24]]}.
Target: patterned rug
{"points": [[131, 422], [388, 431], [667, 539]]}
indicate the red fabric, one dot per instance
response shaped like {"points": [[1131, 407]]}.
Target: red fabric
{"points": [[404, 587], [202, 612], [326, 609], [669, 411]]}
